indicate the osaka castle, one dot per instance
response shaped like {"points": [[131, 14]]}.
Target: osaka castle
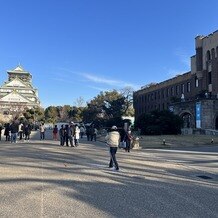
{"points": [[18, 93]]}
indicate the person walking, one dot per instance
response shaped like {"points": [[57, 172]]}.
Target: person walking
{"points": [[77, 134], [55, 133], [72, 134], [1, 128], [62, 135], [7, 132], [27, 132], [82, 131], [128, 139], [92, 132], [67, 134], [113, 140], [88, 133], [94, 136], [20, 131], [42, 131], [14, 131]]}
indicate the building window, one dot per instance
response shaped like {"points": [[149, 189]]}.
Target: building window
{"points": [[208, 56], [177, 90], [213, 53], [168, 92], [182, 88], [188, 87], [172, 91], [162, 93], [217, 51], [209, 78], [196, 82]]}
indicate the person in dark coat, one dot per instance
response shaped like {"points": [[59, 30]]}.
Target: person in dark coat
{"points": [[7, 132], [14, 131], [27, 131], [1, 128], [62, 135]]}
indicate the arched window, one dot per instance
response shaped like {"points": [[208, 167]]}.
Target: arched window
{"points": [[188, 87], [213, 53], [208, 56], [217, 51], [196, 81]]}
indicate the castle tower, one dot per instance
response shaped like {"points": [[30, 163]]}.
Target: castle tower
{"points": [[18, 94]]}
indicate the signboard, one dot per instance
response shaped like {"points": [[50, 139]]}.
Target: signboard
{"points": [[198, 114]]}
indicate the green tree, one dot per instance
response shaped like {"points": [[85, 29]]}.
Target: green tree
{"points": [[159, 122], [106, 105], [51, 114]]}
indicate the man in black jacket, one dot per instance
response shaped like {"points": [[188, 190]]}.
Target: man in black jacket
{"points": [[14, 131]]}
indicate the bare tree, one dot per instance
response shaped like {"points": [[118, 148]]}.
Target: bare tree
{"points": [[80, 102], [127, 93]]}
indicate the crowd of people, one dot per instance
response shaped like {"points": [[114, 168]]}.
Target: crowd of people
{"points": [[16, 131], [69, 135]]}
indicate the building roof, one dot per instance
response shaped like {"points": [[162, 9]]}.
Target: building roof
{"points": [[19, 69]]}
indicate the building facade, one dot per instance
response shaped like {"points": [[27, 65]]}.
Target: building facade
{"points": [[193, 95], [18, 94]]}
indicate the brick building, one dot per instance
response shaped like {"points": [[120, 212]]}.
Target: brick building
{"points": [[193, 95]]}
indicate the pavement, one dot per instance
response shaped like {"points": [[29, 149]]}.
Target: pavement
{"points": [[44, 179]]}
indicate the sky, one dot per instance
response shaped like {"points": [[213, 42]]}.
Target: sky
{"points": [[78, 48]]}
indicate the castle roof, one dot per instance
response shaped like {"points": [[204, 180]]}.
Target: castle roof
{"points": [[18, 70]]}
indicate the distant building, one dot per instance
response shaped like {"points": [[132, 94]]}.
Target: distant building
{"points": [[193, 95], [18, 94]]}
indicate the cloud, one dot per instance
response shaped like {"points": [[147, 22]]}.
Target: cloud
{"points": [[183, 56], [184, 59], [109, 82], [92, 78], [98, 88], [101, 80]]}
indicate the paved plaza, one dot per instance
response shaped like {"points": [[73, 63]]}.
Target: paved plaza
{"points": [[43, 179]]}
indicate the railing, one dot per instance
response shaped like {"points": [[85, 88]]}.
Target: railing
{"points": [[211, 132]]}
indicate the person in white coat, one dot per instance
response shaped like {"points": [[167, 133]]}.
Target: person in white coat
{"points": [[77, 134], [113, 140]]}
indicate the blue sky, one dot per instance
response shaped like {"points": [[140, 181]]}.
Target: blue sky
{"points": [[77, 48]]}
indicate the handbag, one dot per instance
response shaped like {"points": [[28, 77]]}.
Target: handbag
{"points": [[122, 144]]}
